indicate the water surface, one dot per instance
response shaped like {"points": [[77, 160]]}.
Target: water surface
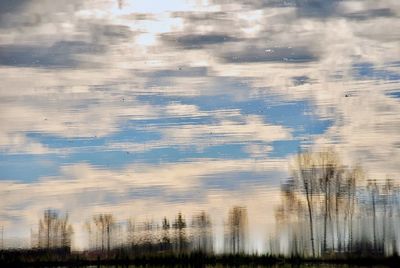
{"points": [[143, 109]]}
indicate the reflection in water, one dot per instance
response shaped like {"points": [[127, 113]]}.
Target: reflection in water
{"points": [[325, 210], [54, 231], [155, 126], [236, 230]]}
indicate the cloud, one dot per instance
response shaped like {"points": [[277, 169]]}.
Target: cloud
{"points": [[275, 54], [227, 131], [256, 150], [10, 6], [64, 118], [61, 54], [25, 15], [229, 128], [177, 109], [371, 13], [85, 190], [181, 71], [82, 70], [366, 131], [198, 41]]}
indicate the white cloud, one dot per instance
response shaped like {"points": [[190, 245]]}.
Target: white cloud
{"points": [[85, 190], [226, 131], [102, 92]]}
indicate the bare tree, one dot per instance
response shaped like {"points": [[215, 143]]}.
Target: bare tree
{"points": [[179, 226], [132, 233], [323, 187], [291, 217], [54, 231], [305, 175], [237, 229], [202, 229], [351, 179], [104, 224], [165, 236], [373, 191]]}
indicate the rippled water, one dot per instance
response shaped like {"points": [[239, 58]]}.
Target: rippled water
{"points": [[143, 109]]}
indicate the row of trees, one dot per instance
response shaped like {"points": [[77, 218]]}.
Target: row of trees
{"points": [[105, 234], [54, 231], [330, 208], [327, 208]]}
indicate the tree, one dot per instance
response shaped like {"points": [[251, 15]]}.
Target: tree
{"points": [[132, 230], [374, 192], [54, 231], [305, 177], [291, 218], [202, 229], [179, 226], [104, 224], [325, 190], [237, 229], [165, 236]]}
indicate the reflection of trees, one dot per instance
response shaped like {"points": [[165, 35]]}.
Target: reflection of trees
{"points": [[131, 230], [150, 237], [322, 190], [325, 210], [165, 231], [380, 202], [179, 227], [202, 232], [54, 231], [236, 234], [102, 228]]}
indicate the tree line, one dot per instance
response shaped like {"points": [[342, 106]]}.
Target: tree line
{"points": [[105, 234], [327, 209]]}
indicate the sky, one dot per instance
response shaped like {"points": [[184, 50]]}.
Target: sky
{"points": [[147, 108]]}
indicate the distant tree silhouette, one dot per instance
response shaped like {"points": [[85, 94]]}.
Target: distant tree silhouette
{"points": [[305, 177], [165, 236], [373, 190], [104, 224], [179, 227], [202, 232], [324, 190], [237, 230], [148, 235], [132, 233], [54, 231]]}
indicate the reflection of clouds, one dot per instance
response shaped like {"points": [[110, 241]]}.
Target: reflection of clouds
{"points": [[82, 69], [367, 132], [222, 132], [198, 41], [84, 190], [255, 150], [275, 54], [364, 130], [60, 54], [336, 41], [82, 178], [64, 119], [252, 129]]}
